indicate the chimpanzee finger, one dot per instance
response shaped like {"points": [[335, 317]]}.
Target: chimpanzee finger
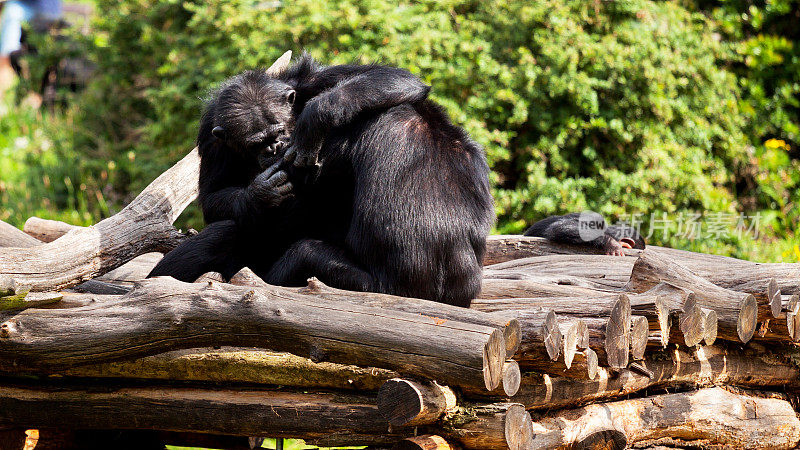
{"points": [[290, 154], [284, 188], [277, 179]]}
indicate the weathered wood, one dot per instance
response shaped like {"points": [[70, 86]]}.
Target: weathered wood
{"points": [[46, 230], [713, 415], [495, 426], [424, 442], [438, 311], [541, 336], [28, 300], [705, 366], [690, 323], [164, 314], [512, 377], [511, 284], [570, 338], [737, 312], [731, 273], [329, 419], [133, 271], [100, 288], [640, 330], [210, 276], [233, 365], [653, 307], [408, 403], [502, 248], [11, 236], [710, 324], [143, 226]]}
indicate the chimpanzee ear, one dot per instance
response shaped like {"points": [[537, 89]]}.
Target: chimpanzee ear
{"points": [[218, 132], [290, 97]]}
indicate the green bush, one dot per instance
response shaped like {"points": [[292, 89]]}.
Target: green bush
{"points": [[620, 107]]}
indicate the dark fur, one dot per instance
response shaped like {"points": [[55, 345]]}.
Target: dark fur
{"points": [[565, 230], [400, 203]]}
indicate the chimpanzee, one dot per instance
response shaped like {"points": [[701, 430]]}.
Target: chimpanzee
{"points": [[385, 193], [587, 228]]}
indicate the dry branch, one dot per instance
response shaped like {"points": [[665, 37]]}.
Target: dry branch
{"points": [[163, 314], [46, 230], [11, 236], [143, 226], [713, 416]]}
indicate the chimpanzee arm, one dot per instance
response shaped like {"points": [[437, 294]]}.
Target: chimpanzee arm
{"points": [[379, 87], [222, 196], [567, 229]]}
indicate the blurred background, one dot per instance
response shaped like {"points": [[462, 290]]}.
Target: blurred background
{"points": [[681, 116]]}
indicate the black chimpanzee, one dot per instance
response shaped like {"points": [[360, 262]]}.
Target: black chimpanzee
{"points": [[587, 228], [399, 201]]}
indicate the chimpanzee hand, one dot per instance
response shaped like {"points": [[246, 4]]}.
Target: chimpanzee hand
{"points": [[272, 186], [303, 155], [274, 151], [307, 137], [613, 247]]}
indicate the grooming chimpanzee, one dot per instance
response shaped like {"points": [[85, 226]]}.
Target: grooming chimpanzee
{"points": [[588, 229], [399, 201]]}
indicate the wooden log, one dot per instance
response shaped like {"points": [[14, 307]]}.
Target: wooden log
{"points": [[598, 271], [133, 271], [424, 442], [540, 336], [640, 330], [653, 308], [11, 236], [713, 415], [508, 284], [793, 318], [737, 312], [705, 366], [46, 230], [731, 273], [233, 365], [494, 426], [329, 419], [143, 226], [512, 377], [164, 314], [408, 403], [510, 327], [28, 300]]}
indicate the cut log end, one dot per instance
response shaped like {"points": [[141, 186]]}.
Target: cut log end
{"points": [[690, 322], [408, 403], [494, 356], [512, 332], [591, 363], [552, 336], [662, 311], [793, 318], [617, 336], [518, 428], [512, 378], [640, 329], [569, 340], [748, 318], [583, 335], [774, 297], [710, 324]]}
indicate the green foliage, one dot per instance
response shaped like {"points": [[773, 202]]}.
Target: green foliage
{"points": [[622, 107]]}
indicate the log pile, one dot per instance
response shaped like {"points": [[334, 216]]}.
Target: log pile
{"points": [[563, 348]]}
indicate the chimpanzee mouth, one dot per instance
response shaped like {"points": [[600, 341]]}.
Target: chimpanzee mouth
{"points": [[627, 243]]}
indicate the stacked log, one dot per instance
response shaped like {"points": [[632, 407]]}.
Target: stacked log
{"points": [[563, 348]]}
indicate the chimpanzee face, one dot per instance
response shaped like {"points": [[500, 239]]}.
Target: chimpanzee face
{"points": [[253, 112]]}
